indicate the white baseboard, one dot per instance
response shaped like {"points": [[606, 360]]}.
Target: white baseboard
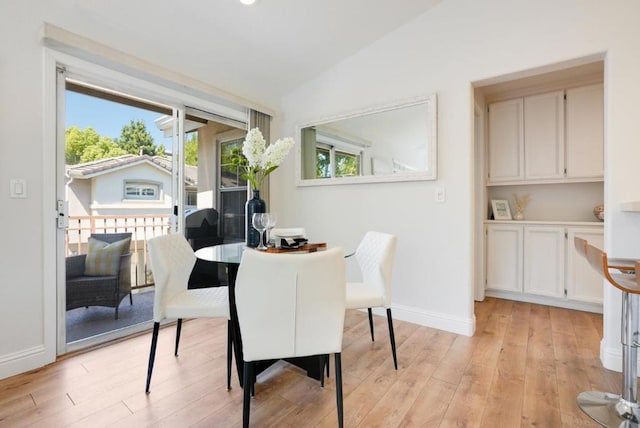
{"points": [[464, 326], [23, 361], [545, 300]]}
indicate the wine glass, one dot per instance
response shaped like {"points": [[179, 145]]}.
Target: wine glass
{"points": [[273, 220], [260, 223]]}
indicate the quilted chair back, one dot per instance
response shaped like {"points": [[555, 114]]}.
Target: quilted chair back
{"points": [[172, 260], [290, 305], [375, 257]]}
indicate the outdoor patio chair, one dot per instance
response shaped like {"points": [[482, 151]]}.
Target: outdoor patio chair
{"points": [[104, 285]]}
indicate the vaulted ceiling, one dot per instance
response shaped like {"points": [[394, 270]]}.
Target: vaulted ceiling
{"points": [[259, 52]]}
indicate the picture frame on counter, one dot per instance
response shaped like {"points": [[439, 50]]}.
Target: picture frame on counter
{"points": [[500, 209]]}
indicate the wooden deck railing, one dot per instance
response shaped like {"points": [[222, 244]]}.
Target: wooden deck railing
{"points": [[142, 228]]}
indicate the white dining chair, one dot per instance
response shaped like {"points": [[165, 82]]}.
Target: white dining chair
{"points": [[290, 305], [172, 260], [375, 255]]}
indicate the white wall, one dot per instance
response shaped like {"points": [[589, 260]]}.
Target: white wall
{"points": [[457, 43], [444, 51]]}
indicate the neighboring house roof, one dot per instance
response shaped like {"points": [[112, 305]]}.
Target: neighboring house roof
{"points": [[107, 165]]}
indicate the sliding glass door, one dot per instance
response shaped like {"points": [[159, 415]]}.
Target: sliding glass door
{"points": [[128, 164]]}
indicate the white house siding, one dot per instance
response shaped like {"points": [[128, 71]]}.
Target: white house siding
{"points": [[107, 191], [79, 197]]}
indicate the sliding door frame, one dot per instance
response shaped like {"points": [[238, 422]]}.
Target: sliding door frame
{"points": [[53, 304]]}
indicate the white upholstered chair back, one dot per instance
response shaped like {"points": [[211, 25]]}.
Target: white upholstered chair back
{"points": [[172, 260], [375, 257], [290, 305]]}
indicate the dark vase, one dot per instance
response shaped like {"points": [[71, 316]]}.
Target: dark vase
{"points": [[254, 205]]}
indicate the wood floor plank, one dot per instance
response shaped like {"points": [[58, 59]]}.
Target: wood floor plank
{"points": [[541, 402], [469, 401], [430, 405], [504, 403]]}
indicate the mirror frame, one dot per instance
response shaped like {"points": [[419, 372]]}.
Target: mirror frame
{"points": [[432, 123]]}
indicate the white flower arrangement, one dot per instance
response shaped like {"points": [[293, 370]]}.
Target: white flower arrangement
{"points": [[258, 160]]}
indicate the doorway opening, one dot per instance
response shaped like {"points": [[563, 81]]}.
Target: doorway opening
{"points": [[134, 167]]}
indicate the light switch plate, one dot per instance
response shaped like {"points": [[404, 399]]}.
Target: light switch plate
{"points": [[18, 188], [440, 195]]}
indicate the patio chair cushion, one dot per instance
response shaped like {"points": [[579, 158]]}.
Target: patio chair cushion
{"points": [[103, 258]]}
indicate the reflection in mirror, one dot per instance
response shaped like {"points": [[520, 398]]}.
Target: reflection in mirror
{"points": [[395, 142]]}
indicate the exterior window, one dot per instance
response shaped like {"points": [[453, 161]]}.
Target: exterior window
{"points": [[141, 190], [331, 162], [232, 193], [191, 198]]}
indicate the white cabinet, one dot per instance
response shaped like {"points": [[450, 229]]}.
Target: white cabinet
{"points": [[545, 139], [506, 141], [533, 261], [583, 282], [544, 136], [504, 257], [585, 131], [544, 263]]}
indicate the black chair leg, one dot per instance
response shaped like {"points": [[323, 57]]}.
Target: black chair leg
{"points": [[247, 386], [323, 362], [116, 311], [328, 362], [229, 351], [130, 298], [370, 322], [178, 330], [393, 338], [339, 389], [152, 353]]}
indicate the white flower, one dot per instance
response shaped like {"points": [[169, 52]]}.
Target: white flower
{"points": [[276, 152], [253, 148], [260, 159]]}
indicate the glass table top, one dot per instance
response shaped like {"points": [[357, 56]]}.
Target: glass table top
{"points": [[231, 253]]}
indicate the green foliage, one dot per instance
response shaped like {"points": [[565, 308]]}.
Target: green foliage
{"points": [[85, 145], [191, 150], [322, 163], [346, 165], [232, 164], [161, 151], [135, 139]]}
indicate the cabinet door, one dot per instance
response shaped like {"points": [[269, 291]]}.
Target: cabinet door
{"points": [[585, 132], [504, 257], [544, 255], [544, 136], [583, 282], [506, 141]]}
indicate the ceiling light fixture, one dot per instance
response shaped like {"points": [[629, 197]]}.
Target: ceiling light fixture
{"points": [[247, 2]]}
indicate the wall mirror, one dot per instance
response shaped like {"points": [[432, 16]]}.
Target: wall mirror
{"points": [[393, 142]]}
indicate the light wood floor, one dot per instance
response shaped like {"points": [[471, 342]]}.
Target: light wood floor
{"points": [[524, 367]]}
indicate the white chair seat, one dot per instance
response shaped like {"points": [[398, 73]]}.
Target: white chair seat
{"points": [[199, 303], [360, 296]]}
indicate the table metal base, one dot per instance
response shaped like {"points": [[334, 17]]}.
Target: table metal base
{"points": [[610, 410]]}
